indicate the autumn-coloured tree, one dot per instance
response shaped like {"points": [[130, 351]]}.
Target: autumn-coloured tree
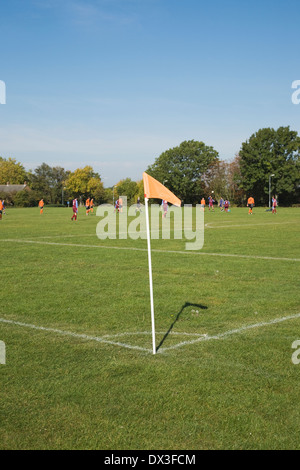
{"points": [[12, 172], [83, 183]]}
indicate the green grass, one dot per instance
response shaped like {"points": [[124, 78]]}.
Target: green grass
{"points": [[70, 392]]}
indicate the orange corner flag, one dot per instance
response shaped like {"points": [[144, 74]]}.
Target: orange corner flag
{"points": [[154, 189]]}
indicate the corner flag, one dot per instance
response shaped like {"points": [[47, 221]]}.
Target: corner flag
{"points": [[154, 189]]}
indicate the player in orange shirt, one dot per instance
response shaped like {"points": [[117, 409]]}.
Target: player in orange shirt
{"points": [[41, 205], [250, 204], [87, 206], [1, 209], [92, 205], [203, 203]]}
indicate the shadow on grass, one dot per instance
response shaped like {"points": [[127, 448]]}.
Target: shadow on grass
{"points": [[187, 304]]}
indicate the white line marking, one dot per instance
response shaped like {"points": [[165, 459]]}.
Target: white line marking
{"points": [[106, 338], [235, 331], [267, 224], [78, 245], [173, 229]]}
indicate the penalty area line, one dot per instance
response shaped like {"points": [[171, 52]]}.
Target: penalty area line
{"points": [[153, 250]]}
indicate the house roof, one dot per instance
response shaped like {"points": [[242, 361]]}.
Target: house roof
{"points": [[12, 188]]}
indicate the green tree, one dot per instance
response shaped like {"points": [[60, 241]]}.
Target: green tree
{"points": [[215, 180], [182, 169], [48, 182], [108, 195], [12, 172], [237, 194], [140, 191], [96, 190], [272, 152], [224, 179], [26, 198], [77, 183], [128, 188]]}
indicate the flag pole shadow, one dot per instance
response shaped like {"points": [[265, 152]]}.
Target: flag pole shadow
{"points": [[187, 304]]}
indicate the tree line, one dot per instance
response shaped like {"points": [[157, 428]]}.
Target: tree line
{"points": [[57, 186], [269, 159]]}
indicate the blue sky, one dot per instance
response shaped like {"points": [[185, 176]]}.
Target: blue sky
{"points": [[114, 83]]}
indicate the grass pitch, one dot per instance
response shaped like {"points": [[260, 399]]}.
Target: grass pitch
{"points": [[75, 320]]}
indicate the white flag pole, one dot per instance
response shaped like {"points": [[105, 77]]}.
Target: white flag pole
{"points": [[150, 275]]}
